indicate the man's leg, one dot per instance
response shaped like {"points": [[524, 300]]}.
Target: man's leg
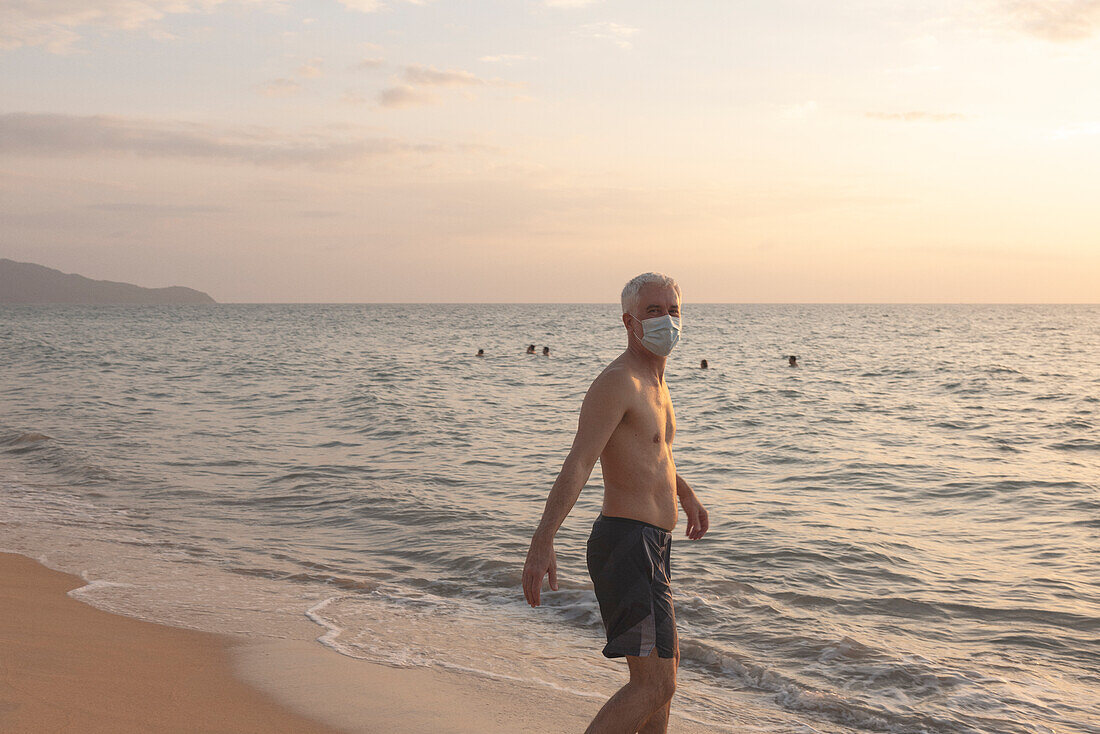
{"points": [[657, 723], [652, 683]]}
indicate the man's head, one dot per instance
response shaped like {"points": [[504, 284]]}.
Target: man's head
{"points": [[649, 296], [652, 283]]}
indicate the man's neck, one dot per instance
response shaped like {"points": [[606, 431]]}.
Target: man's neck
{"points": [[649, 363]]}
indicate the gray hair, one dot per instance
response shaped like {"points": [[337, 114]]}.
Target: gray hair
{"points": [[630, 290]]}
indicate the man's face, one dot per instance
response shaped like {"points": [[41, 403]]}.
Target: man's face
{"points": [[654, 301]]}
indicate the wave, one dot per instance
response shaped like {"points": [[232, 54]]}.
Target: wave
{"points": [[71, 464], [22, 439], [1077, 444]]}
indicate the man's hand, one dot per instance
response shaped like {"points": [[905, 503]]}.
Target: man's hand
{"points": [[541, 560], [698, 522]]}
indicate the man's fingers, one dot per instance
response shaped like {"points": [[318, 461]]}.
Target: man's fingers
{"points": [[698, 525], [531, 591], [531, 588], [532, 585], [693, 523], [554, 578]]}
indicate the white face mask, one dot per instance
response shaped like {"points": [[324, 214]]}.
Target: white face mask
{"points": [[660, 334]]}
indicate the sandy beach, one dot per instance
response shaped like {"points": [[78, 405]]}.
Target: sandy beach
{"points": [[69, 667]]}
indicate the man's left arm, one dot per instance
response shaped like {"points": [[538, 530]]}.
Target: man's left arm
{"points": [[698, 522]]}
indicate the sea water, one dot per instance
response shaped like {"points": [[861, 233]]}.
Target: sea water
{"points": [[905, 530]]}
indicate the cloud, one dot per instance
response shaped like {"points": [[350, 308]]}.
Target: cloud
{"points": [[403, 96], [916, 116], [429, 76], [409, 91], [311, 68], [1073, 131], [506, 58], [363, 6], [618, 34], [800, 111], [366, 64], [319, 213], [156, 210], [371, 6], [350, 96], [38, 134], [280, 88], [1054, 20], [56, 25]]}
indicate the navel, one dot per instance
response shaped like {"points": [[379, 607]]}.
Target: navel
{"points": [[656, 438]]}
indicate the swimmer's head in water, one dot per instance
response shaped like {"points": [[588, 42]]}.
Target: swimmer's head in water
{"points": [[703, 365], [792, 360], [546, 351], [481, 352], [530, 348]]}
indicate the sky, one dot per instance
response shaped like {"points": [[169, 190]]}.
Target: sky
{"points": [[549, 150]]}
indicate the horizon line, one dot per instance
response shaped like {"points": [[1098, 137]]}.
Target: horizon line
{"points": [[615, 303]]}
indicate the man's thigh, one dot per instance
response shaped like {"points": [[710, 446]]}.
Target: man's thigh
{"points": [[652, 666]]}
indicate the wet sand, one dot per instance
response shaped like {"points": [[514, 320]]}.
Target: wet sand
{"points": [[66, 666]]}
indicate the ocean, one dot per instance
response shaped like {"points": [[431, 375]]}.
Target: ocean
{"points": [[905, 530]]}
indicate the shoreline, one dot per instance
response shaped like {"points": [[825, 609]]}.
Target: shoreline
{"points": [[69, 666]]}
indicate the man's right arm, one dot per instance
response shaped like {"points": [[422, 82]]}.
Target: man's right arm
{"points": [[603, 408]]}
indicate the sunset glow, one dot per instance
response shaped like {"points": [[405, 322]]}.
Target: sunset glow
{"points": [[509, 150]]}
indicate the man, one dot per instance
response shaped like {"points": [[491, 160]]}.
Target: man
{"points": [[627, 422]]}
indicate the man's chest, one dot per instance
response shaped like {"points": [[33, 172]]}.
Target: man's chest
{"points": [[651, 417]]}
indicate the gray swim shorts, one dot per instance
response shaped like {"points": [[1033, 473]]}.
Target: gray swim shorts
{"points": [[628, 561]]}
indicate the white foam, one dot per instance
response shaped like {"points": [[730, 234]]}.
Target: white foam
{"points": [[90, 588]]}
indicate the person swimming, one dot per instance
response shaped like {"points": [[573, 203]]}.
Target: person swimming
{"points": [[546, 351], [792, 361], [481, 352], [531, 349], [703, 365]]}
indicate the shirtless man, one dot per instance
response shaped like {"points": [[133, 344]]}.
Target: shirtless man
{"points": [[626, 421]]}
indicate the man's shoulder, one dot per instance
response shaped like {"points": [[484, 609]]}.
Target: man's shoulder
{"points": [[616, 377]]}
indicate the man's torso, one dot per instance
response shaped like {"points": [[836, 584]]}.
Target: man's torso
{"points": [[638, 470]]}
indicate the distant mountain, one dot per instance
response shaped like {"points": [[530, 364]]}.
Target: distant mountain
{"points": [[30, 283]]}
